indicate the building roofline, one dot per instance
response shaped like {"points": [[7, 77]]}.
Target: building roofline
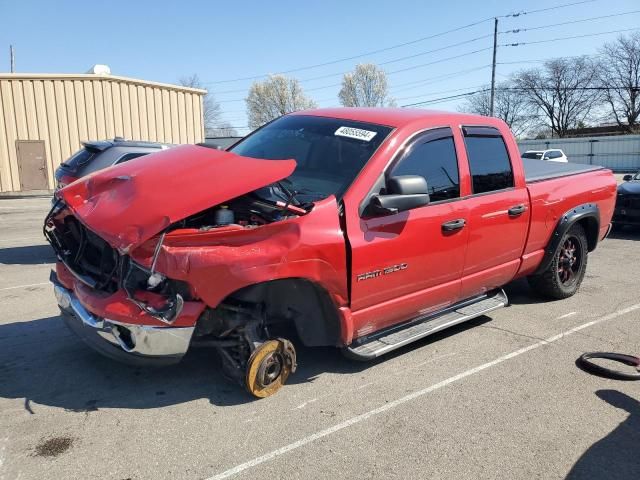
{"points": [[94, 76]]}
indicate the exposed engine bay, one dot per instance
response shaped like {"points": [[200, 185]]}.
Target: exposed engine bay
{"points": [[266, 205]]}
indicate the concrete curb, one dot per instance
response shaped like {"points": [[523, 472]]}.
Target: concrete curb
{"points": [[29, 194]]}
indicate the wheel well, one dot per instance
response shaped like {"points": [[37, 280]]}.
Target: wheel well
{"points": [[587, 216], [591, 229], [300, 302]]}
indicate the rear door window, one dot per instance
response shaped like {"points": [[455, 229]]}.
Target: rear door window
{"points": [[79, 159], [489, 162], [131, 156]]}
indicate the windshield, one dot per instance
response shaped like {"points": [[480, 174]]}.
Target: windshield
{"points": [[329, 152], [534, 155]]}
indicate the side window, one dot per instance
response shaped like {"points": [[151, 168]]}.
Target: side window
{"points": [[489, 163], [437, 162], [555, 154], [130, 156]]}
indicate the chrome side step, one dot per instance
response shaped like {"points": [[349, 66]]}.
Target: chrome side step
{"points": [[372, 346]]}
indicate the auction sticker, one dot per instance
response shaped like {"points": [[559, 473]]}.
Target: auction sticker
{"points": [[356, 133]]}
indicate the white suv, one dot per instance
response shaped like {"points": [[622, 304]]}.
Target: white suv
{"points": [[548, 155]]}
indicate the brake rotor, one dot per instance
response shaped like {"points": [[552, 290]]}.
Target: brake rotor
{"points": [[269, 366]]}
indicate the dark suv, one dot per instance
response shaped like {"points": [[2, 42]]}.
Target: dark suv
{"points": [[96, 155], [627, 210]]}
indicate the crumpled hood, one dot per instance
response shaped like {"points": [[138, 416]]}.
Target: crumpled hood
{"points": [[129, 203], [630, 187]]}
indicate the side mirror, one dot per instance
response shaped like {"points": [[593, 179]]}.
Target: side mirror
{"points": [[404, 192], [627, 178]]}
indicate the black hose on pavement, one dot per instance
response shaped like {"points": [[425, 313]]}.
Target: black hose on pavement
{"points": [[586, 364]]}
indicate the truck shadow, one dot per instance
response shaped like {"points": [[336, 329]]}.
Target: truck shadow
{"points": [[42, 362], [616, 455], [27, 255], [520, 293]]}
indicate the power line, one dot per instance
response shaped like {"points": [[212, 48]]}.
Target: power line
{"points": [[483, 90], [354, 57], [528, 12], [520, 30], [336, 74], [450, 97], [395, 60], [399, 45], [522, 61], [542, 60], [437, 79], [524, 89], [438, 93], [441, 60], [518, 44]]}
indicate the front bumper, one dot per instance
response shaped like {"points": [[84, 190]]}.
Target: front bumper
{"points": [[129, 343]]}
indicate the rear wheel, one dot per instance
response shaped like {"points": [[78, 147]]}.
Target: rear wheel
{"points": [[567, 268]]}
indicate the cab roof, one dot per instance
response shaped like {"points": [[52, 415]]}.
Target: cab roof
{"points": [[400, 117]]}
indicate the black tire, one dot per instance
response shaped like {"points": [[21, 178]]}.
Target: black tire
{"points": [[565, 273], [586, 364]]}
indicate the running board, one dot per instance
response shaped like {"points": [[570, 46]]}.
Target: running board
{"points": [[372, 346]]}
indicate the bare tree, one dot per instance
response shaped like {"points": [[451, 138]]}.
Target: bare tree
{"points": [[273, 97], [619, 72], [510, 106], [211, 111], [562, 91], [366, 86]]}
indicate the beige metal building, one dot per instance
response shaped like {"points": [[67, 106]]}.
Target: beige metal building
{"points": [[44, 117]]}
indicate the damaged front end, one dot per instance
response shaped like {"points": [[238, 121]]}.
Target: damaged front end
{"points": [[100, 267], [120, 282]]}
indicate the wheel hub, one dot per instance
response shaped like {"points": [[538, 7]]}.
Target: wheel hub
{"points": [[269, 366], [569, 261]]}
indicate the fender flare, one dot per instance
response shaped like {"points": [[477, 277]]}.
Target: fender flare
{"points": [[586, 211]]}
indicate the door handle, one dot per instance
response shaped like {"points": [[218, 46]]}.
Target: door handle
{"points": [[453, 225], [517, 210]]}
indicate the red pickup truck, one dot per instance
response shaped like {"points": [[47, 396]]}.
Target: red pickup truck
{"points": [[364, 229]]}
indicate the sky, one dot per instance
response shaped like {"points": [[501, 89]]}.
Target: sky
{"points": [[223, 42]]}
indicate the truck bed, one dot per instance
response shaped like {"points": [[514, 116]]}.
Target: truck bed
{"points": [[540, 170]]}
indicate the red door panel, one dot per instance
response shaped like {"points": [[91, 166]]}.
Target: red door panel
{"points": [[496, 240], [405, 264]]}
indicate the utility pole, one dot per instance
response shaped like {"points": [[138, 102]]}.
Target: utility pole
{"points": [[493, 67], [13, 59]]}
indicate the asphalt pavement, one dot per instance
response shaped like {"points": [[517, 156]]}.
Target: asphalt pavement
{"points": [[499, 397]]}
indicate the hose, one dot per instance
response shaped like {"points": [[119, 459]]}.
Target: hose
{"points": [[586, 364]]}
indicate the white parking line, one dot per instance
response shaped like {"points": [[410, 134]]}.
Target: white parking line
{"points": [[412, 396], [567, 315], [25, 286]]}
